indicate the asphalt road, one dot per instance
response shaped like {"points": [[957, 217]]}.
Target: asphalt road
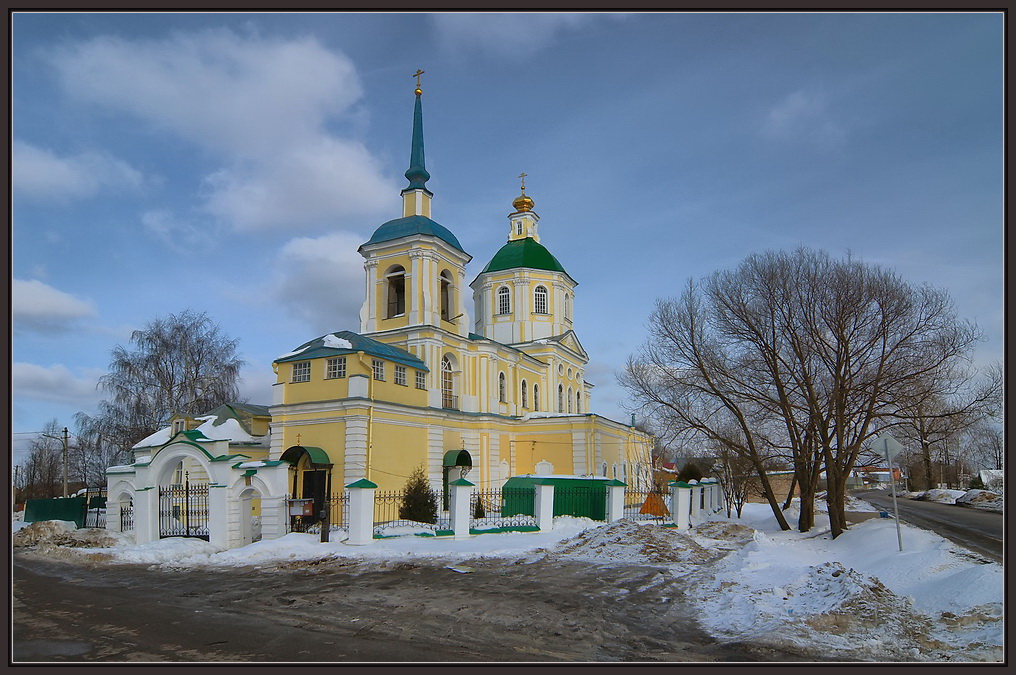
{"points": [[977, 530]]}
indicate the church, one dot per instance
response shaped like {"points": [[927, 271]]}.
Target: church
{"points": [[419, 385]]}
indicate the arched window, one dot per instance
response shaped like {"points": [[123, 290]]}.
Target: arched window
{"points": [[567, 306], [603, 467], [525, 395], [560, 398], [395, 281], [447, 385], [502, 388], [504, 301], [571, 398], [540, 300], [578, 402], [536, 397], [446, 295]]}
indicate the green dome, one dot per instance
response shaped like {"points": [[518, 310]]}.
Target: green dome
{"points": [[523, 253], [407, 227]]}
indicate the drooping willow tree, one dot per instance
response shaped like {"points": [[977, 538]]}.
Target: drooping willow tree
{"points": [[182, 364]]}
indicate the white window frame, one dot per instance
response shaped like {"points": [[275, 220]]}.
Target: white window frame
{"points": [[504, 300], [400, 375], [502, 388], [378, 368], [301, 371], [540, 304], [335, 368], [421, 379]]}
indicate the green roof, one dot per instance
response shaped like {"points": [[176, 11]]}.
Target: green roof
{"points": [[523, 253], [412, 225], [326, 345]]}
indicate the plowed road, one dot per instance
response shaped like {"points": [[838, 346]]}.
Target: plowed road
{"points": [[974, 529]]}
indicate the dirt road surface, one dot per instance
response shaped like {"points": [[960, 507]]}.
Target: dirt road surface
{"points": [[542, 610]]}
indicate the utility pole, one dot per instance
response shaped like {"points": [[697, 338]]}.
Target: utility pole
{"points": [[65, 462]]}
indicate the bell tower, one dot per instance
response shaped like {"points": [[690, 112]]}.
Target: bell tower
{"points": [[415, 267]]}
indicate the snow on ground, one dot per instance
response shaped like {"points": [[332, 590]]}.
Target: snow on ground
{"points": [[932, 601], [858, 598]]}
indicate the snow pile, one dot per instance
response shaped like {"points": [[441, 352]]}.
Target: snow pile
{"points": [[940, 496], [857, 595], [44, 531], [983, 499], [629, 542]]}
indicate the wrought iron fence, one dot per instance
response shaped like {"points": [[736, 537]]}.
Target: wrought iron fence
{"points": [[510, 508], [183, 510], [649, 505], [393, 516], [127, 517], [338, 515]]}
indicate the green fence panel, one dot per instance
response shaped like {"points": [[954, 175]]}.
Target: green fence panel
{"points": [[65, 508]]}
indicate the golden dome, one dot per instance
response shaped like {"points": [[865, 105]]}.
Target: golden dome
{"points": [[523, 203]]}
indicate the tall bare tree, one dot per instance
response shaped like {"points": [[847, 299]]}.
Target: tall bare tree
{"points": [[179, 365], [801, 354], [936, 411]]}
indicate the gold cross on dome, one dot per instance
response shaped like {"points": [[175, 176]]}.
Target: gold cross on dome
{"points": [[523, 177], [417, 75]]}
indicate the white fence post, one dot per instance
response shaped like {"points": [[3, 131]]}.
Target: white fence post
{"points": [[696, 502], [361, 512], [615, 500], [459, 507], [544, 505], [680, 504]]}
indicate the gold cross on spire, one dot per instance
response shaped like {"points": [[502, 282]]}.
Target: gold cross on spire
{"points": [[298, 439], [417, 75], [523, 177]]}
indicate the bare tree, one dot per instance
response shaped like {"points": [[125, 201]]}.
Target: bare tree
{"points": [[690, 376], [41, 474], [986, 445], [800, 354], [936, 410], [736, 477], [179, 365]]}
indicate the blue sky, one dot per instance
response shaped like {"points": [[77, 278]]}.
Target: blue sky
{"points": [[232, 163]]}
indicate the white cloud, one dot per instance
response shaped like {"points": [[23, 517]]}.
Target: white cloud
{"points": [[515, 34], [56, 384], [39, 174], [312, 185], [176, 234], [257, 105], [40, 307], [802, 115], [321, 281]]}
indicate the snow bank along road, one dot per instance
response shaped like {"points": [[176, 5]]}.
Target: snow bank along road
{"points": [[980, 531]]}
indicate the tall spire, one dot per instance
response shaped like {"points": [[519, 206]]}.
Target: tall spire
{"points": [[417, 173]]}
